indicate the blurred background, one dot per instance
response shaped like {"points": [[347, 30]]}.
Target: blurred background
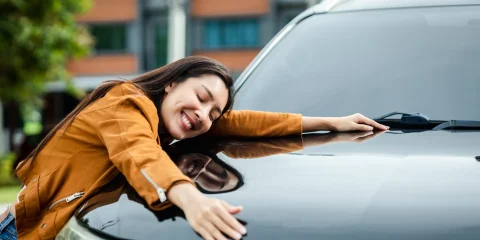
{"points": [[53, 52]]}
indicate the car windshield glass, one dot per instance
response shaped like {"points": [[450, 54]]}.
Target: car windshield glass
{"points": [[410, 60]]}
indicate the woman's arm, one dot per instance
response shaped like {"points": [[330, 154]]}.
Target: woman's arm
{"points": [[246, 123]]}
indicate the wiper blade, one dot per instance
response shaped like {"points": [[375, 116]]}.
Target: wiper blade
{"points": [[417, 122], [407, 118], [458, 125]]}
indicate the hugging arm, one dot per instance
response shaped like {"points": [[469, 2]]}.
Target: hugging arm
{"points": [[247, 123]]}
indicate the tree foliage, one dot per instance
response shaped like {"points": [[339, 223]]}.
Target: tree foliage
{"points": [[37, 39]]}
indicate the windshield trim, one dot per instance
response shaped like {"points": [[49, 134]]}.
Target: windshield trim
{"points": [[349, 9]]}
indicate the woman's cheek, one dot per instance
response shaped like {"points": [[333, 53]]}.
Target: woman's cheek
{"points": [[206, 128]]}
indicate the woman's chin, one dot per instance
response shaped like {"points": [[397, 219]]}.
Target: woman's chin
{"points": [[179, 134], [175, 133]]}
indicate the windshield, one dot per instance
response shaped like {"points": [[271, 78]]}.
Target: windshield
{"points": [[374, 62]]}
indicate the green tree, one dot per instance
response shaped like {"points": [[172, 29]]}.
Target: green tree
{"points": [[37, 39]]}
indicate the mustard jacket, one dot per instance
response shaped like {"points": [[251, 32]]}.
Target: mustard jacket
{"points": [[116, 134]]}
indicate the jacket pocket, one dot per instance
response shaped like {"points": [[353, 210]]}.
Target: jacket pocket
{"points": [[66, 199], [47, 229]]}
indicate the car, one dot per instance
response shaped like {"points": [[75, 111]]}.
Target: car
{"points": [[411, 65]]}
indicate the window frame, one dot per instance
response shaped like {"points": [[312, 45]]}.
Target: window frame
{"points": [[150, 48], [126, 49], [203, 25]]}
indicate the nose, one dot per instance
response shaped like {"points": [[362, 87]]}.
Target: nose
{"points": [[201, 115]]}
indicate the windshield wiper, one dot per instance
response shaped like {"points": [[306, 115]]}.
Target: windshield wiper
{"points": [[458, 125], [421, 122]]}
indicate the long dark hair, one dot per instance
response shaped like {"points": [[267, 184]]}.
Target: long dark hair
{"points": [[153, 84]]}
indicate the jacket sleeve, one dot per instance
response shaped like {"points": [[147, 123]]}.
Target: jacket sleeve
{"points": [[129, 132], [247, 123]]}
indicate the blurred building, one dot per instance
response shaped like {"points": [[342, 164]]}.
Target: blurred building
{"points": [[134, 36]]}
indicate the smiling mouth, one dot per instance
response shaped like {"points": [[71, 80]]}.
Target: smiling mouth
{"points": [[187, 122]]}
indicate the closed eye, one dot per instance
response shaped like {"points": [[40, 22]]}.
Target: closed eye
{"points": [[199, 99]]}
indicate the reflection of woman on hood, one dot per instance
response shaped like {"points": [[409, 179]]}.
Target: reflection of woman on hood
{"points": [[197, 159], [210, 174]]}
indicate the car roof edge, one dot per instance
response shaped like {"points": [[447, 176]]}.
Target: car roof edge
{"points": [[327, 5]]}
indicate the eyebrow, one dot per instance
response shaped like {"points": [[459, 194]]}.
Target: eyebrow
{"points": [[213, 99]]}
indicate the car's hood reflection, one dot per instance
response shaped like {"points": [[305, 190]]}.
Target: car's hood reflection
{"points": [[197, 159]]}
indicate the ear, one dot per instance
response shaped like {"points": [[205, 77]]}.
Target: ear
{"points": [[170, 87]]}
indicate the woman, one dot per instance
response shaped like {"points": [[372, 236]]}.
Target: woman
{"points": [[118, 128]]}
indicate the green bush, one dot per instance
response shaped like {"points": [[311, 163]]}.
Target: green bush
{"points": [[8, 194], [7, 177]]}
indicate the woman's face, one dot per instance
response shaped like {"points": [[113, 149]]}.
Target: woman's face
{"points": [[189, 108]]}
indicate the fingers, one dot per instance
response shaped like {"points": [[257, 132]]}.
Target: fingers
{"points": [[368, 121], [205, 234], [231, 209], [214, 232], [230, 220], [221, 225], [209, 232], [216, 220], [363, 127]]}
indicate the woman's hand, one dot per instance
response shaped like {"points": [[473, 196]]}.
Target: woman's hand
{"points": [[355, 122], [207, 216]]}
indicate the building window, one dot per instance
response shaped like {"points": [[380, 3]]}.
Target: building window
{"points": [[110, 38], [156, 41], [161, 45], [239, 33]]}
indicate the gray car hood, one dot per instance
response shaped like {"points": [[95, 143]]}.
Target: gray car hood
{"points": [[395, 186]]}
